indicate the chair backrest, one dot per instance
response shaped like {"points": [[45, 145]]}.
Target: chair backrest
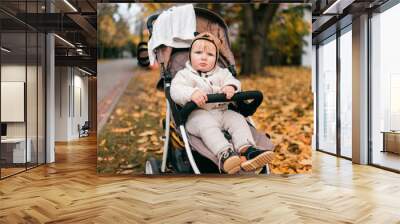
{"points": [[86, 125]]}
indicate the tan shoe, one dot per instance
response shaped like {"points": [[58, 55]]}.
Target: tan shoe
{"points": [[256, 159], [229, 161]]}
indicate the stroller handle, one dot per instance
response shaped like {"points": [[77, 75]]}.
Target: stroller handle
{"points": [[246, 109]]}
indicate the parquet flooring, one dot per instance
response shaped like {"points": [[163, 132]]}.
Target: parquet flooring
{"points": [[10, 171], [70, 191]]}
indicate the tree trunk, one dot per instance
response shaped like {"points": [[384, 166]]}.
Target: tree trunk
{"points": [[141, 30], [256, 21]]}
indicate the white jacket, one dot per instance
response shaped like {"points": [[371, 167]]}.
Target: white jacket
{"points": [[188, 80]]}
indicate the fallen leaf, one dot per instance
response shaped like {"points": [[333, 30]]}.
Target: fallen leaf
{"points": [[120, 130], [149, 132]]}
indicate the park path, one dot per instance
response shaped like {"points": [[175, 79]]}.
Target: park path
{"points": [[112, 79]]}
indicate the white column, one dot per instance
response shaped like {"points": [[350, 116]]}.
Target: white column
{"points": [[50, 99], [360, 90]]}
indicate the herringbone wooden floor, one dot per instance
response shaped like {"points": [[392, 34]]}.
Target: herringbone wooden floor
{"points": [[69, 191]]}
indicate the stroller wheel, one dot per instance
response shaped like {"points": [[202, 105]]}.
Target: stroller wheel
{"points": [[265, 170], [152, 166]]}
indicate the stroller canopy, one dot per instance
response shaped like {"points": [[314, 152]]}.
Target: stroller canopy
{"points": [[206, 21]]}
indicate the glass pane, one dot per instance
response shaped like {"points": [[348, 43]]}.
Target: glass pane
{"points": [[385, 85], [327, 97], [13, 86], [22, 79], [346, 94]]}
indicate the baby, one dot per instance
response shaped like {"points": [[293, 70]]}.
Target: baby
{"points": [[202, 76]]}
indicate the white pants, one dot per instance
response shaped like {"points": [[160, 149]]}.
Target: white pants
{"points": [[208, 125]]}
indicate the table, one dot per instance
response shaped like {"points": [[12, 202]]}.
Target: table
{"points": [[391, 141], [13, 150]]}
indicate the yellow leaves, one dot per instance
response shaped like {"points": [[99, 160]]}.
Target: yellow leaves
{"points": [[305, 161], [119, 111], [153, 114], [142, 148], [142, 140], [147, 133], [103, 142], [150, 8], [107, 29], [109, 158], [112, 32], [120, 130], [136, 114], [286, 115], [154, 139], [148, 141], [125, 172], [287, 32]]}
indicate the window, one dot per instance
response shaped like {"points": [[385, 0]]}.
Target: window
{"points": [[385, 89], [327, 96], [346, 92], [23, 77]]}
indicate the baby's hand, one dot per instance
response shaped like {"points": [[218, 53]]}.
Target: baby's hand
{"points": [[229, 91], [199, 98]]}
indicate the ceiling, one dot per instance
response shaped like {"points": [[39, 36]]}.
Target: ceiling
{"points": [[330, 15], [74, 21]]}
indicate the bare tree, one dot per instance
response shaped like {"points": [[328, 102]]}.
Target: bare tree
{"points": [[256, 22]]}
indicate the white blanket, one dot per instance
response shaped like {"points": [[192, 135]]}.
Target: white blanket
{"points": [[174, 27]]}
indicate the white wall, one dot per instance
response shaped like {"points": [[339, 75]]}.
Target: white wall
{"points": [[62, 80], [33, 126], [71, 87], [306, 58], [17, 73], [13, 95], [14, 73], [81, 84]]}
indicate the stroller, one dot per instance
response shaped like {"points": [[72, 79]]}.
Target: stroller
{"points": [[183, 152]]}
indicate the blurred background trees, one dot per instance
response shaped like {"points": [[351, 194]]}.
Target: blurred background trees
{"points": [[261, 34], [286, 36], [114, 36]]}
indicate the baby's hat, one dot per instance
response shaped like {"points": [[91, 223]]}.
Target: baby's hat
{"points": [[207, 36]]}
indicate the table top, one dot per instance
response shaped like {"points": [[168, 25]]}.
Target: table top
{"points": [[392, 132], [13, 140]]}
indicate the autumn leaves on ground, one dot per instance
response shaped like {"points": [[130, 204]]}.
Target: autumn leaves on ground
{"points": [[133, 131]]}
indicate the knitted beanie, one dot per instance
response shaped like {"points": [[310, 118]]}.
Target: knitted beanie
{"points": [[209, 37]]}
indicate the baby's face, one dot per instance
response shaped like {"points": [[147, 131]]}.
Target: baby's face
{"points": [[203, 55]]}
